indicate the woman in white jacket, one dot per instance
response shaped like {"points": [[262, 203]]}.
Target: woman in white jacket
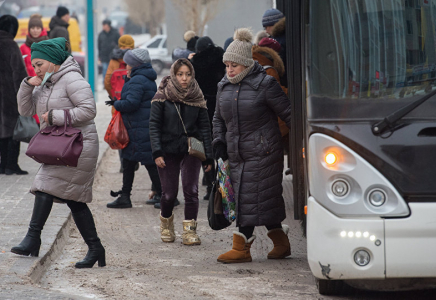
{"points": [[59, 85]]}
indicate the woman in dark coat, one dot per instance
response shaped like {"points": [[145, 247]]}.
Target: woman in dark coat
{"points": [[209, 70], [179, 111], [246, 132], [12, 73], [134, 106]]}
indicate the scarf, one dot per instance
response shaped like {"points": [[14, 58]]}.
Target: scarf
{"points": [[238, 78], [30, 40], [170, 89]]}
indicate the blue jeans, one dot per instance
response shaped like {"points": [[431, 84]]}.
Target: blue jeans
{"points": [[104, 65]]}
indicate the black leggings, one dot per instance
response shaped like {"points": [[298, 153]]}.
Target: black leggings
{"points": [[129, 176], [248, 230]]}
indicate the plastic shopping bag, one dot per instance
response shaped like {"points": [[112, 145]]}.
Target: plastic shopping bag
{"points": [[226, 189], [116, 134]]}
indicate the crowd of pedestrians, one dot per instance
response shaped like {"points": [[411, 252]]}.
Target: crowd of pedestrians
{"points": [[232, 99]]}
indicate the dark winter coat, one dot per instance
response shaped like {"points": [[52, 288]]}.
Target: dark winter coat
{"points": [[246, 121], [134, 105], [107, 41], [12, 73], [209, 70], [58, 28], [279, 34], [166, 129]]}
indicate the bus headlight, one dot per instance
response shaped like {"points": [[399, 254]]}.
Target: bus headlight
{"points": [[377, 197], [340, 188], [362, 258]]}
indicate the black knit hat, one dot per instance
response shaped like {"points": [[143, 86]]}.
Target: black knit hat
{"points": [[203, 43], [191, 43], [62, 11], [9, 24]]}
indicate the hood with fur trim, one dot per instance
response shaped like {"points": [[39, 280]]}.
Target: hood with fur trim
{"points": [[267, 56], [279, 28]]}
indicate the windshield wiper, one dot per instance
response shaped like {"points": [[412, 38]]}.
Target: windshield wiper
{"points": [[389, 121]]}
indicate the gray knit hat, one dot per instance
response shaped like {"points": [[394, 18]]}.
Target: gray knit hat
{"points": [[136, 57], [271, 17], [239, 51]]}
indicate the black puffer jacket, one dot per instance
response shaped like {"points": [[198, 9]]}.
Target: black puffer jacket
{"points": [[246, 121], [209, 70], [107, 41], [166, 130]]}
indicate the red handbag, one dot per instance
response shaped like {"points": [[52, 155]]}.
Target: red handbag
{"points": [[57, 145], [116, 134]]}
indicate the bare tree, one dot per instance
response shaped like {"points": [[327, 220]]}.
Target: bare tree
{"points": [[197, 13], [148, 13]]}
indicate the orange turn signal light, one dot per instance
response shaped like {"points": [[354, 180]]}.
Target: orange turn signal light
{"points": [[331, 158], [305, 209]]}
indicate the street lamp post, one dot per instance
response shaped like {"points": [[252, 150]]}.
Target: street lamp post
{"points": [[90, 45]]}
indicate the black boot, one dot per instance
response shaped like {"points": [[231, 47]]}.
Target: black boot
{"points": [[207, 196], [32, 241], [85, 223], [122, 201], [154, 200]]}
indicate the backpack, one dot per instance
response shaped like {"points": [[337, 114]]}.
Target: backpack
{"points": [[118, 79]]}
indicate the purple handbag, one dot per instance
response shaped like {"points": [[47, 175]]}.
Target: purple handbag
{"points": [[57, 145]]}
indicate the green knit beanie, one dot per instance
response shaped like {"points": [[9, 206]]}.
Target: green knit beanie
{"points": [[53, 50]]}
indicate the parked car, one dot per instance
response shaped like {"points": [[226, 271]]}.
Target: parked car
{"points": [[160, 57]]}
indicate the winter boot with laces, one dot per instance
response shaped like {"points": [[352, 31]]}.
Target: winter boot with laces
{"points": [[167, 233]]}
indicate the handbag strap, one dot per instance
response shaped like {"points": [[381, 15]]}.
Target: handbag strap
{"points": [[180, 116]]}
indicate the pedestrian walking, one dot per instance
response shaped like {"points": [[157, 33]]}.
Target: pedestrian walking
{"points": [[134, 106], [59, 24], [179, 111], [58, 86], [11, 75], [209, 70], [246, 132], [107, 41]]}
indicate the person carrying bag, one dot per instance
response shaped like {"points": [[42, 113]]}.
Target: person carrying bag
{"points": [[61, 96], [179, 115]]}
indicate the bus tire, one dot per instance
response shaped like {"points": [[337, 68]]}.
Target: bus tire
{"points": [[333, 287]]}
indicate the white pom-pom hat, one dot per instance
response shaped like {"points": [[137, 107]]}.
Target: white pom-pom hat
{"points": [[239, 51]]}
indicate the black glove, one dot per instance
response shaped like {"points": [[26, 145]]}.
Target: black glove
{"points": [[220, 151], [110, 103]]}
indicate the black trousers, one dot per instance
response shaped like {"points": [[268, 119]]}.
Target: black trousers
{"points": [[248, 230], [9, 152], [129, 176]]}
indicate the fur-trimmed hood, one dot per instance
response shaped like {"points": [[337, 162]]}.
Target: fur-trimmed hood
{"points": [[279, 28], [262, 54]]}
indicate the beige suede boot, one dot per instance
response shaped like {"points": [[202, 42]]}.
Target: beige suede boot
{"points": [[282, 247], [167, 233], [241, 250], [189, 235]]}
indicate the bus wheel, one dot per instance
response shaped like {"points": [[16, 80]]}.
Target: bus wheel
{"points": [[333, 287]]}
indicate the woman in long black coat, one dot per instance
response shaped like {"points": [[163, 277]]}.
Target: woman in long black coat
{"points": [[209, 70], [246, 132], [12, 73]]}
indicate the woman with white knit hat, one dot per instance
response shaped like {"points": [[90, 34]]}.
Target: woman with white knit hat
{"points": [[246, 132]]}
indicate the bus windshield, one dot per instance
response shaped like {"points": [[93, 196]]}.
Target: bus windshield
{"points": [[383, 49]]}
